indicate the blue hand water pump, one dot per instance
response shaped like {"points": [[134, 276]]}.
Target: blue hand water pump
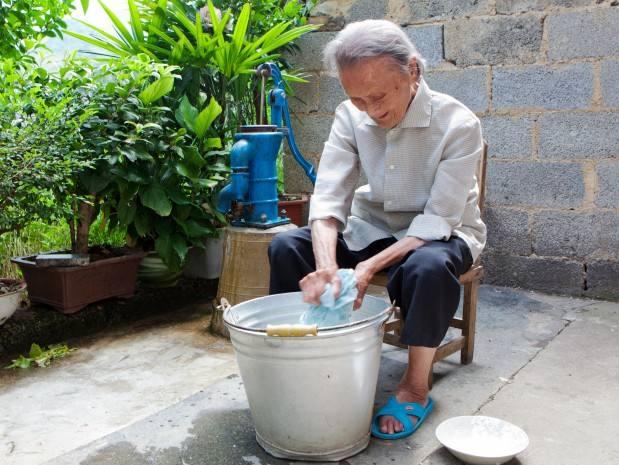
{"points": [[251, 195]]}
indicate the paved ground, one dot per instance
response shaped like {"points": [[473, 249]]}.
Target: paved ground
{"points": [[167, 393]]}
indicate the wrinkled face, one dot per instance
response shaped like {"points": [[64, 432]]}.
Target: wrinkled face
{"points": [[378, 87]]}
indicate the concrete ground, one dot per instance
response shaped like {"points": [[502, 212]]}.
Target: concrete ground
{"points": [[165, 392]]}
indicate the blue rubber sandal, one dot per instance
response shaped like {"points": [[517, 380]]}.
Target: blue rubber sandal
{"points": [[401, 411]]}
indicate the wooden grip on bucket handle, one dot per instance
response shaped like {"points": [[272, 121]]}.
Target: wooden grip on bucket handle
{"points": [[292, 330]]}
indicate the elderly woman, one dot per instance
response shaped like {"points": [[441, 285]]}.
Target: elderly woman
{"points": [[417, 216]]}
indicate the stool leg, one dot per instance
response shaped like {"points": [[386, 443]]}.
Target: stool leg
{"points": [[469, 316]]}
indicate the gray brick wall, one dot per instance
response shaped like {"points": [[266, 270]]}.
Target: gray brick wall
{"points": [[542, 87], [429, 42], [493, 40], [522, 6], [608, 184], [583, 34], [508, 136], [467, 85], [535, 184], [576, 235], [610, 83], [543, 76], [579, 135], [432, 10]]}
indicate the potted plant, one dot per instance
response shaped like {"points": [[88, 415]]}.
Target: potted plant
{"points": [[33, 168], [161, 180], [293, 206], [88, 106]]}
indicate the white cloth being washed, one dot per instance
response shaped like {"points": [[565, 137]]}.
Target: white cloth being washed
{"points": [[334, 311]]}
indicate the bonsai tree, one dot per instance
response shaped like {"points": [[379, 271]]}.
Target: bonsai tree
{"points": [[41, 147]]}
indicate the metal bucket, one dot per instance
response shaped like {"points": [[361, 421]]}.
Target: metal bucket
{"points": [[311, 397]]}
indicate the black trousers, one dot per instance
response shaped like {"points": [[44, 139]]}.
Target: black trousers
{"points": [[424, 284]]}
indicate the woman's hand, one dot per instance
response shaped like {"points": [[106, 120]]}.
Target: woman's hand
{"points": [[363, 275], [313, 285]]}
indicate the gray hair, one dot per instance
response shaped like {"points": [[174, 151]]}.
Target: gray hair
{"points": [[371, 38]]}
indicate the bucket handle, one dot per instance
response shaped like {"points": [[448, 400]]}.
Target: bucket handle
{"points": [[292, 330], [225, 306], [393, 310]]}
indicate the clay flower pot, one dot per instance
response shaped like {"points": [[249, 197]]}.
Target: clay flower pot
{"points": [[292, 206], [69, 289]]}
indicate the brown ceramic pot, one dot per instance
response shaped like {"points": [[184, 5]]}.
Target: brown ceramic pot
{"points": [[294, 206], [69, 289]]}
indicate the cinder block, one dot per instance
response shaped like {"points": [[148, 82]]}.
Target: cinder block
{"points": [[330, 93], [493, 40], [579, 135], [610, 83], [608, 184], [541, 87], [602, 279], [444, 9], [429, 42], [367, 9], [295, 179], [311, 132], [507, 136], [305, 98], [508, 231], [536, 184], [522, 6], [541, 274], [572, 234], [309, 55], [467, 85], [583, 34]]}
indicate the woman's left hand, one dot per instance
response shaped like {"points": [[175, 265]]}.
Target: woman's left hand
{"points": [[363, 275]]}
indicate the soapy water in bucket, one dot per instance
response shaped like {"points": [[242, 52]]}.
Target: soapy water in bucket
{"points": [[332, 311]]}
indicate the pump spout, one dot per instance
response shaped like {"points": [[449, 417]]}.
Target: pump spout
{"points": [[238, 188]]}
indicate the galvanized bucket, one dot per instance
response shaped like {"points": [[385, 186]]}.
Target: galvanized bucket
{"points": [[311, 397]]}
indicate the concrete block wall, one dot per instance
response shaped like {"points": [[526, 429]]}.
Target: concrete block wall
{"points": [[543, 76]]}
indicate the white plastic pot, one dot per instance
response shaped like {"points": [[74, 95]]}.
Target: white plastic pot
{"points": [[9, 302]]}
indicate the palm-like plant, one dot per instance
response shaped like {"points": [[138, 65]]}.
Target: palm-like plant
{"points": [[214, 58]]}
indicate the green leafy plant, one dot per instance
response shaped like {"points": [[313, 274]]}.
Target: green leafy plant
{"points": [[122, 152], [39, 236], [41, 357], [216, 53], [41, 147], [25, 23], [157, 178]]}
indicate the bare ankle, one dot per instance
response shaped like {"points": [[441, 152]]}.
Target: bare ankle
{"points": [[408, 393]]}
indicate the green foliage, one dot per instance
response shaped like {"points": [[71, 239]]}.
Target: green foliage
{"points": [[120, 151], [158, 176], [41, 357], [25, 23], [39, 237], [41, 147], [217, 53]]}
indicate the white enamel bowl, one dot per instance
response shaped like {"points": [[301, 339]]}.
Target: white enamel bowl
{"points": [[480, 440]]}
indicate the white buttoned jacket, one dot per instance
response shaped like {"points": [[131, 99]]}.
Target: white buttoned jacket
{"points": [[421, 174]]}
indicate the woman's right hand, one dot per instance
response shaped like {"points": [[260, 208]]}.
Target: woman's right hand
{"points": [[313, 285]]}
